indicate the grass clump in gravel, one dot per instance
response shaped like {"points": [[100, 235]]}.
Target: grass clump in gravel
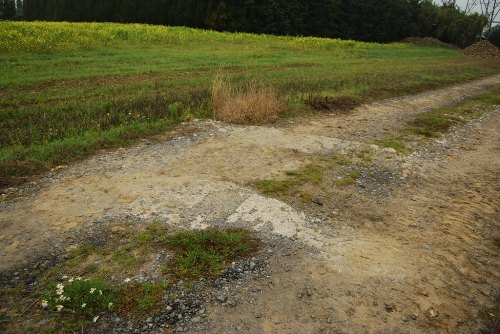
{"points": [[311, 173], [141, 298], [207, 252], [350, 179], [395, 143]]}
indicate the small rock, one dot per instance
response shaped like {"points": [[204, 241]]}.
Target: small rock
{"points": [[390, 150], [222, 298], [433, 313]]}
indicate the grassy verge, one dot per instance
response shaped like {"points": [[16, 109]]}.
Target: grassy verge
{"points": [[98, 280], [68, 90]]}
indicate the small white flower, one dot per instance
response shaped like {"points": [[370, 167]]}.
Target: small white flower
{"points": [[83, 305], [95, 318], [62, 298], [70, 280], [59, 291], [45, 303], [110, 305], [127, 280], [100, 292], [64, 277], [92, 290], [60, 286], [59, 308], [78, 278]]}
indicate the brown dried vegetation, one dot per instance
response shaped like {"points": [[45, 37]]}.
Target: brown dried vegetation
{"points": [[252, 104]]}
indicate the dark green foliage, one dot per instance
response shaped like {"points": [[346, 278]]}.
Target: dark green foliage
{"points": [[494, 36], [7, 9], [366, 20]]}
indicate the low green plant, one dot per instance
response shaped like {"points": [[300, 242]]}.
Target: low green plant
{"points": [[306, 197], [309, 174], [273, 187], [395, 143], [141, 298], [207, 252], [153, 232], [348, 180], [78, 298]]}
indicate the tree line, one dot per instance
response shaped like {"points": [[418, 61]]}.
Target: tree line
{"points": [[363, 20]]}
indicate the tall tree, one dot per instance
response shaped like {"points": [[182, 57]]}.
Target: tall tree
{"points": [[7, 9], [19, 8]]}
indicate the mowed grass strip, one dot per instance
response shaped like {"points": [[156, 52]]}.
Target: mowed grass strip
{"points": [[70, 89]]}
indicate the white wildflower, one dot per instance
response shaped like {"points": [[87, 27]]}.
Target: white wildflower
{"points": [[100, 292], [64, 277], [60, 286], [110, 305], [78, 278], [83, 305], [45, 303], [127, 280], [92, 290], [59, 308], [71, 280], [95, 318]]}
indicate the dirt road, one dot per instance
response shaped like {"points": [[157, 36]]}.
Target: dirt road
{"points": [[413, 253]]}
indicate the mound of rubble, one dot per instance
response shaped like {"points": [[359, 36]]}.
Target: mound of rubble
{"points": [[482, 49]]}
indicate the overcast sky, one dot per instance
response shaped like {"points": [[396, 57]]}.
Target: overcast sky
{"points": [[462, 4]]}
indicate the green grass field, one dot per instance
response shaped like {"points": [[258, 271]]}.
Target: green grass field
{"points": [[68, 90]]}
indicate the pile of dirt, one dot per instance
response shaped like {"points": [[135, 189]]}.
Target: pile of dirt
{"points": [[428, 42], [483, 49]]}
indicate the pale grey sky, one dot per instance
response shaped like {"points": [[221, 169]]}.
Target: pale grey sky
{"points": [[461, 4]]}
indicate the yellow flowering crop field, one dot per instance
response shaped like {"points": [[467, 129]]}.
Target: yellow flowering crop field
{"points": [[45, 37]]}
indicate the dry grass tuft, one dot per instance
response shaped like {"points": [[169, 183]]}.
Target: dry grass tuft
{"points": [[250, 105]]}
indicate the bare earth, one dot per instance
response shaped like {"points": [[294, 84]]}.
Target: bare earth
{"points": [[416, 255]]}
